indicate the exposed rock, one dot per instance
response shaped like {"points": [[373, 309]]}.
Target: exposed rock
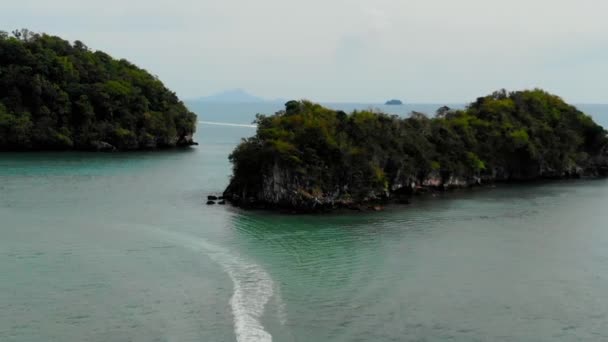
{"points": [[185, 140], [212, 198], [210, 202], [103, 146], [148, 143]]}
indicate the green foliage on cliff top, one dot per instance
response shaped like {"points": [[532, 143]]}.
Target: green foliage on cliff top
{"points": [[57, 95], [526, 134]]}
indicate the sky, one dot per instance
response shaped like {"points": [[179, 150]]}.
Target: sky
{"points": [[424, 51]]}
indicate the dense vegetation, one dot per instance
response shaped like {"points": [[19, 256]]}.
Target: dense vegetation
{"points": [[309, 154], [57, 95]]}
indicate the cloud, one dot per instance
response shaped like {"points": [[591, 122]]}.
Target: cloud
{"points": [[378, 20]]}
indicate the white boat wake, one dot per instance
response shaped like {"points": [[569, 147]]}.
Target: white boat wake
{"points": [[226, 124], [253, 286]]}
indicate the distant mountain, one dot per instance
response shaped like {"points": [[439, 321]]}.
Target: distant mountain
{"points": [[233, 95]]}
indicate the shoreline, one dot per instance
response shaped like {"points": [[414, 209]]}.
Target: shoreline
{"points": [[429, 194]]}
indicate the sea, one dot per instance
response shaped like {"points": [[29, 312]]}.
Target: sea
{"points": [[121, 247]]}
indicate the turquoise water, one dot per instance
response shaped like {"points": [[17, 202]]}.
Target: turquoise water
{"points": [[120, 247]]}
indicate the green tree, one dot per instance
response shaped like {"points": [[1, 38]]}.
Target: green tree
{"points": [[57, 95]]}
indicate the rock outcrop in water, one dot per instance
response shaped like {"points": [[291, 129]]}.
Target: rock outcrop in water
{"points": [[309, 158], [60, 96]]}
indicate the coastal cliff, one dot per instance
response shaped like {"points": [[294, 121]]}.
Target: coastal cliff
{"points": [[55, 95], [309, 158]]}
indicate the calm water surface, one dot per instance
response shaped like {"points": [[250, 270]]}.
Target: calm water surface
{"points": [[120, 247]]}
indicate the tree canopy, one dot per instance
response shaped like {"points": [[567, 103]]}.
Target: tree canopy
{"points": [[502, 136], [57, 95]]}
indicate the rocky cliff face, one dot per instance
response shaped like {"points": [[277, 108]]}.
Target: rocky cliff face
{"points": [[280, 188]]}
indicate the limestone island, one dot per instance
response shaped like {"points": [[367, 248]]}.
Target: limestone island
{"points": [[394, 102], [55, 95], [308, 158]]}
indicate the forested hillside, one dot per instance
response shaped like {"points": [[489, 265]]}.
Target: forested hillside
{"points": [[308, 156], [55, 95]]}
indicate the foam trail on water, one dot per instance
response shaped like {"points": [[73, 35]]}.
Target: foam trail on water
{"points": [[253, 287], [226, 124], [280, 305]]}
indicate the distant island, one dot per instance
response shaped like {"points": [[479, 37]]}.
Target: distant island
{"points": [[60, 96], [394, 102], [310, 158]]}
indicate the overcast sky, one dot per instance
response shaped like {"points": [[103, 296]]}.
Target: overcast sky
{"points": [[437, 51]]}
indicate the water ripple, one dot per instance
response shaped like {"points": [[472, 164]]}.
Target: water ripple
{"points": [[253, 286]]}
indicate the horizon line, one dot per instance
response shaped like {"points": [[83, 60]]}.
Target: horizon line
{"points": [[360, 102]]}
